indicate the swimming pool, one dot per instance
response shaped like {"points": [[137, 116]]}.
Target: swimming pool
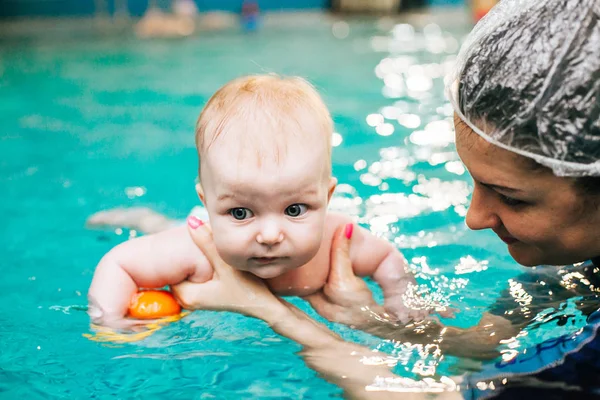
{"points": [[99, 120]]}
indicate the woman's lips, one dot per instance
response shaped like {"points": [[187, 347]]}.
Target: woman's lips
{"points": [[508, 239]]}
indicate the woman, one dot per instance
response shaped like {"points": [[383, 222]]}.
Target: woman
{"points": [[527, 99]]}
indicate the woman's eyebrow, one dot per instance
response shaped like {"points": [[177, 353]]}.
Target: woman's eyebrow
{"points": [[500, 187]]}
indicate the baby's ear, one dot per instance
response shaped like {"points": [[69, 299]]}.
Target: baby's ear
{"points": [[331, 188], [200, 192]]}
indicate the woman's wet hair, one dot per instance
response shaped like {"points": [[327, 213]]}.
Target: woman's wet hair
{"points": [[532, 84]]}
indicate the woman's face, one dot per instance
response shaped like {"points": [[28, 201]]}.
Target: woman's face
{"points": [[542, 218]]}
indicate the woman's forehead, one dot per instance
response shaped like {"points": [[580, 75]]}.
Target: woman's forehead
{"points": [[468, 141], [486, 161]]}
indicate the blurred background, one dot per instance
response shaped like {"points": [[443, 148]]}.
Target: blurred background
{"points": [[12, 8], [98, 101]]}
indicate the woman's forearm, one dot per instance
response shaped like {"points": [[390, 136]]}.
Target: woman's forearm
{"points": [[361, 372], [339, 362], [289, 321], [478, 342]]}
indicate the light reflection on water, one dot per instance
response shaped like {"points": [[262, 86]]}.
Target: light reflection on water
{"points": [[110, 125], [418, 116]]}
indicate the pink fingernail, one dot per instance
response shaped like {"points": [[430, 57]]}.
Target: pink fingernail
{"points": [[194, 222], [348, 230]]}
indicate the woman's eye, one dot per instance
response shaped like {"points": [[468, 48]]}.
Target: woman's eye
{"points": [[510, 201], [240, 213], [296, 210]]}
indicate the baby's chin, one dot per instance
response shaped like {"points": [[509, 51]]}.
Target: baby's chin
{"points": [[268, 272]]}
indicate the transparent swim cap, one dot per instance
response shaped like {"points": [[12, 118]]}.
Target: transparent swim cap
{"points": [[527, 79]]}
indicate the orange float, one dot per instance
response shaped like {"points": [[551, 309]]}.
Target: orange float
{"points": [[153, 304]]}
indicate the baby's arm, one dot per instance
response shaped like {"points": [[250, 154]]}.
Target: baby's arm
{"points": [[153, 261], [375, 257]]}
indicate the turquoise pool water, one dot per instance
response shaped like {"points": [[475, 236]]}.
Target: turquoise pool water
{"points": [[94, 121]]}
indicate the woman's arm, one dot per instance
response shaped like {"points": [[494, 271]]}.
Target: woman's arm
{"points": [[352, 367], [479, 342], [347, 299], [237, 291]]}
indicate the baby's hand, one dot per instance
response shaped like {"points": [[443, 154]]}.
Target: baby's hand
{"points": [[407, 305], [404, 300], [406, 309]]}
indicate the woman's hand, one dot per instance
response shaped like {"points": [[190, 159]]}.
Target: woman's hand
{"points": [[229, 289], [232, 290], [339, 362], [345, 298]]}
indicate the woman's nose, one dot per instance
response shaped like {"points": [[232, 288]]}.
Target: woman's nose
{"points": [[481, 214]]}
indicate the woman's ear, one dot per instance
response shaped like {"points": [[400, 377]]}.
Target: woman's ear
{"points": [[331, 188]]}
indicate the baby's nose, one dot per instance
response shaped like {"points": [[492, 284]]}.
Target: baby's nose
{"points": [[270, 234]]}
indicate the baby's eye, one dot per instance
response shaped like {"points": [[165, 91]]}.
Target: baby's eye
{"points": [[296, 210], [240, 213]]}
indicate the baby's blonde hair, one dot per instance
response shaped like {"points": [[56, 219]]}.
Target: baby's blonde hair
{"points": [[284, 106]]}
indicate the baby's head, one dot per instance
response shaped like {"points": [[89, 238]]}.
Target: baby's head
{"points": [[264, 144]]}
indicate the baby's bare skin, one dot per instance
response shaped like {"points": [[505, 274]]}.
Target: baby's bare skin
{"points": [[264, 146], [170, 257]]}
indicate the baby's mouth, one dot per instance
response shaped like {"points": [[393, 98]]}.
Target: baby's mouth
{"points": [[265, 260]]}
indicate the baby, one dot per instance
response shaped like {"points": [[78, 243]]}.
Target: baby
{"points": [[264, 144]]}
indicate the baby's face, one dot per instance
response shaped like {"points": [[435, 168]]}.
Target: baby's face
{"points": [[266, 219]]}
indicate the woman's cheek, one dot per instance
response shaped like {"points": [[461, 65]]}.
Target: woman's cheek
{"points": [[527, 229]]}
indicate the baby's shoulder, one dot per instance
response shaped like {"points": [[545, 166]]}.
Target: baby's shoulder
{"points": [[334, 220], [360, 237]]}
